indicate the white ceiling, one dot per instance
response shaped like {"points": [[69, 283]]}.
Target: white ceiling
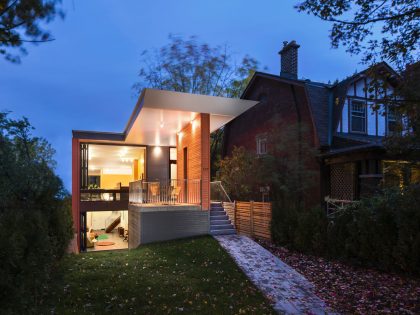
{"points": [[164, 113], [113, 156]]}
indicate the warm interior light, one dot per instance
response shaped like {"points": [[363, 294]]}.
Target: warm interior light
{"points": [[142, 161], [162, 124], [180, 134], [123, 152], [157, 151]]}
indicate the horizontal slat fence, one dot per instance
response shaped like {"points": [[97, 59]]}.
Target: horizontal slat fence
{"points": [[250, 218]]}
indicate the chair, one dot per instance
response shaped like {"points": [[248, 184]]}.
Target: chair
{"points": [[175, 193], [154, 191]]}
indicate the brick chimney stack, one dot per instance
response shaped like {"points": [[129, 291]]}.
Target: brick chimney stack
{"points": [[289, 60]]}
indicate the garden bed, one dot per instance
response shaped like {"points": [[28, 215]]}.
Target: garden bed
{"points": [[351, 289]]}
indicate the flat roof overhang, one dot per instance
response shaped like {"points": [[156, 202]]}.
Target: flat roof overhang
{"points": [[159, 115]]}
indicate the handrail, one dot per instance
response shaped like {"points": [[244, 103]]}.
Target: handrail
{"points": [[218, 192], [335, 206]]}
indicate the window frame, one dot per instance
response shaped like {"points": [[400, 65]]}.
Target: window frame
{"points": [[395, 120], [261, 139], [365, 126]]}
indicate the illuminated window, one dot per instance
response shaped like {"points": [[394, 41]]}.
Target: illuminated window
{"points": [[358, 116]]}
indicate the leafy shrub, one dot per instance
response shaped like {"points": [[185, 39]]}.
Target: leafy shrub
{"points": [[382, 231], [35, 217]]}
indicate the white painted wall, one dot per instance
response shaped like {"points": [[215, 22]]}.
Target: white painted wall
{"points": [[97, 220], [371, 115]]}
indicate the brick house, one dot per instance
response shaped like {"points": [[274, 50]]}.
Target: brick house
{"points": [[341, 125]]}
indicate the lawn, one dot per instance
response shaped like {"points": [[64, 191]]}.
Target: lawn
{"points": [[189, 276]]}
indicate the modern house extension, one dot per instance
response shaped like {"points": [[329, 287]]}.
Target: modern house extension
{"points": [[152, 181]]}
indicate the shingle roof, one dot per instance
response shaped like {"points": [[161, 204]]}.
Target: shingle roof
{"points": [[318, 101]]}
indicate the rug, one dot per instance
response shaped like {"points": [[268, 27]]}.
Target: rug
{"points": [[102, 237], [104, 243]]}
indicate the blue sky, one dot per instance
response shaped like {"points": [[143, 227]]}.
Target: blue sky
{"points": [[83, 79]]}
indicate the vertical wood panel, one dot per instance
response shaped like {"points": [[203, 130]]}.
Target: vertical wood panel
{"points": [[196, 138], [251, 218]]}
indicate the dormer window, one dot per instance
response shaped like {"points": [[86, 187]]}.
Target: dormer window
{"points": [[358, 111], [261, 145]]}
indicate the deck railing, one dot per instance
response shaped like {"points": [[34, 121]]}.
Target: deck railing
{"points": [[104, 194], [174, 191]]}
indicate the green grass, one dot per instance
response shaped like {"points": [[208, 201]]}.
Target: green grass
{"points": [[189, 276]]}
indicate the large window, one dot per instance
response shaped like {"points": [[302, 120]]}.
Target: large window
{"points": [[358, 116]]}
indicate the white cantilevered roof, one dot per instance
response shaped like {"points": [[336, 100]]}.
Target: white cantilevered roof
{"points": [[160, 114]]}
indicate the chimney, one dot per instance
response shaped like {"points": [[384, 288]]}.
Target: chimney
{"points": [[289, 60]]}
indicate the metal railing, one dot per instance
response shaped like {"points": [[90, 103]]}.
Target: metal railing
{"points": [[218, 193], [174, 191], [335, 206]]}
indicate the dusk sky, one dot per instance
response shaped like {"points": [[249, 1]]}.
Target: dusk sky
{"points": [[83, 79]]}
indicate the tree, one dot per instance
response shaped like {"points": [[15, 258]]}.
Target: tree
{"points": [[190, 66], [379, 29], [35, 216], [382, 30], [23, 21]]}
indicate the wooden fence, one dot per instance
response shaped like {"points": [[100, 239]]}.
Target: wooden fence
{"points": [[250, 218]]}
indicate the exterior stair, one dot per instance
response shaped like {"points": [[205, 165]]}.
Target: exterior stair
{"points": [[219, 221]]}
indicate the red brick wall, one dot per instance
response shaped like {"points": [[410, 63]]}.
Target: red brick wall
{"points": [[278, 109], [75, 187]]}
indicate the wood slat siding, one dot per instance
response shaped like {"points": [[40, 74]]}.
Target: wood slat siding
{"points": [[196, 138], [250, 218], [230, 210]]}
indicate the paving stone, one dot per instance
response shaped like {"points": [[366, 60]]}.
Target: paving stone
{"points": [[290, 292]]}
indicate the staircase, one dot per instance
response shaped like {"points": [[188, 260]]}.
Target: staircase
{"points": [[219, 221]]}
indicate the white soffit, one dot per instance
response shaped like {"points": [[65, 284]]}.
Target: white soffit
{"points": [[161, 114]]}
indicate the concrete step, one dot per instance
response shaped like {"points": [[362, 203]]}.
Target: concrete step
{"points": [[220, 222], [218, 217], [222, 232], [221, 227], [217, 209], [216, 213]]}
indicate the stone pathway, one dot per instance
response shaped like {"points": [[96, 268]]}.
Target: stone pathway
{"points": [[290, 292]]}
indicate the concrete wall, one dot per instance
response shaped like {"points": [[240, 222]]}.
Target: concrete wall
{"points": [[157, 163], [151, 223]]}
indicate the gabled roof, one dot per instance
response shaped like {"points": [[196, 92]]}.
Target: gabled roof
{"points": [[318, 96], [325, 100]]}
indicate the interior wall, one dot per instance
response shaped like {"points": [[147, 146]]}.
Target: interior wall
{"points": [[98, 220], [111, 181]]}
